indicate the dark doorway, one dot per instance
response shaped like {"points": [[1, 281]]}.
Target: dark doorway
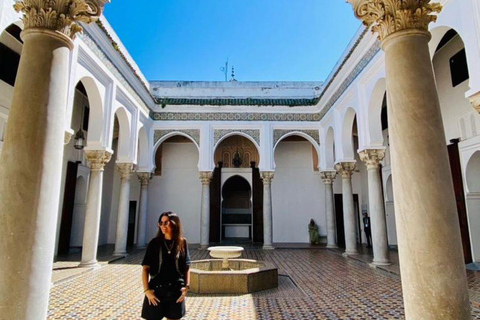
{"points": [[257, 205], [132, 213], [456, 170], [236, 209], [67, 209], [338, 202], [215, 202]]}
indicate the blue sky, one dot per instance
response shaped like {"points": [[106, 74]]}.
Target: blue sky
{"points": [[265, 40]]}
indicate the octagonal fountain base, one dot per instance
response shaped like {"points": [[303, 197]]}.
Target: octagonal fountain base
{"points": [[244, 276]]}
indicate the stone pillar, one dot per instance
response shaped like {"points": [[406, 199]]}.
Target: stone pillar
{"points": [[205, 177], [328, 177], [31, 158], [372, 158], [144, 178], [431, 259], [346, 170], [125, 170], [97, 159], [267, 177]]}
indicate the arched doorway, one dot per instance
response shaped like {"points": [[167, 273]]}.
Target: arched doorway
{"points": [[472, 174], [236, 155], [236, 217]]}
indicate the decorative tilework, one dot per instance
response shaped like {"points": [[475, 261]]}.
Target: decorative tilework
{"points": [[291, 102], [278, 134], [219, 134], [192, 133], [325, 286], [244, 116]]}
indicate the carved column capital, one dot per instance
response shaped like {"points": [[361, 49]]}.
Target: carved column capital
{"points": [[372, 157], [59, 15], [125, 170], [98, 159], [267, 176], [389, 16], [346, 169], [206, 177], [328, 176], [144, 178], [68, 136], [475, 101]]}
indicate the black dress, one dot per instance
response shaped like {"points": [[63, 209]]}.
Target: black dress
{"points": [[167, 277]]}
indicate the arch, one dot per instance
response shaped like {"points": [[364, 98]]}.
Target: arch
{"points": [[124, 133], [142, 152], [330, 148], [238, 178], [347, 134], [299, 134], [375, 112], [236, 133], [95, 101], [168, 136], [472, 173], [389, 189]]}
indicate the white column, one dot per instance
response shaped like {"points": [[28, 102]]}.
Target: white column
{"points": [[267, 177], [205, 177], [346, 170], [372, 158], [97, 159], [32, 154], [434, 282], [125, 170], [144, 178], [328, 177]]}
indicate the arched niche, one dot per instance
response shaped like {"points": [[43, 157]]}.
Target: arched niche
{"points": [[96, 126], [236, 147], [349, 130], [330, 149], [158, 149], [124, 133], [472, 173], [375, 106], [299, 137], [142, 152]]}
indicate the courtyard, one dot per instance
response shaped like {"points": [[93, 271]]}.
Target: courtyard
{"points": [[314, 283]]}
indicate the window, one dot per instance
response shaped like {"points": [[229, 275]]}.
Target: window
{"points": [[459, 68], [9, 61]]}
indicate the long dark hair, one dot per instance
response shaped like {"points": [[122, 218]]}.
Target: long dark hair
{"points": [[177, 230]]}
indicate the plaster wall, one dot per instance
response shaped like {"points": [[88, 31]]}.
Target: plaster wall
{"points": [[459, 118], [298, 193], [178, 189]]}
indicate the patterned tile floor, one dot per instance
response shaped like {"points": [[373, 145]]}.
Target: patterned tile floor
{"points": [[313, 284]]}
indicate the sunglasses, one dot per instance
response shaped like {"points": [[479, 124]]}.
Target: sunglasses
{"points": [[164, 223]]}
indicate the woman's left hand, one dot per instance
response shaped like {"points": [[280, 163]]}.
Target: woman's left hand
{"points": [[184, 294]]}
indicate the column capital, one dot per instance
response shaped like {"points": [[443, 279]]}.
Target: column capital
{"points": [[59, 15], [267, 176], [125, 169], [346, 169], [68, 136], [389, 16], [328, 176], [144, 178], [372, 157], [206, 177], [98, 159], [475, 101]]}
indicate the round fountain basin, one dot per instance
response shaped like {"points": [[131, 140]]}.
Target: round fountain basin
{"points": [[225, 252], [244, 276]]}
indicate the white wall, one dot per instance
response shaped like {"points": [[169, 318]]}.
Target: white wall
{"points": [[459, 118], [178, 189], [298, 193]]}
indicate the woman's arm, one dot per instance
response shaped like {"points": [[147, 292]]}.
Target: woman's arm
{"points": [[150, 293]]}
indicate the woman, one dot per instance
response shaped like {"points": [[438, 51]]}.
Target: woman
{"points": [[166, 264]]}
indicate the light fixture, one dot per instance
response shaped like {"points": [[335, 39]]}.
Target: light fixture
{"points": [[80, 136]]}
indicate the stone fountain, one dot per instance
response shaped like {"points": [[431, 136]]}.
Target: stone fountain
{"points": [[228, 274]]}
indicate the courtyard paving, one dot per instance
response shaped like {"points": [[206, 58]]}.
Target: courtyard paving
{"points": [[313, 284]]}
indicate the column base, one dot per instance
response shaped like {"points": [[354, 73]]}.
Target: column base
{"points": [[332, 246], [89, 264], [380, 263], [350, 253], [268, 247], [120, 254]]}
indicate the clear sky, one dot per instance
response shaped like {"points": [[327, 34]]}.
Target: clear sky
{"points": [[265, 40]]}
